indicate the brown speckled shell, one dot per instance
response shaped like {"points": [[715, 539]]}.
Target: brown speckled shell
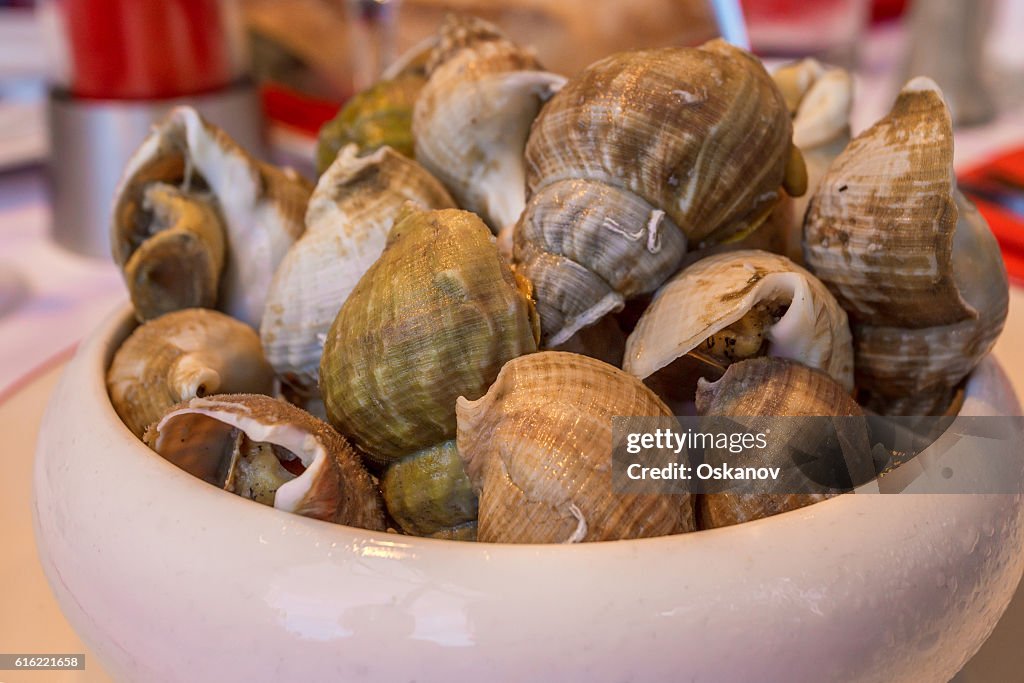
{"points": [[181, 355], [767, 387], [912, 262], [538, 448], [635, 157]]}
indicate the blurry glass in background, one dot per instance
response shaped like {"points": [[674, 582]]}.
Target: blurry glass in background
{"points": [[787, 29]]}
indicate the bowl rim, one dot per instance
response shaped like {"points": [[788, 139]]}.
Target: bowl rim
{"points": [[103, 343]]}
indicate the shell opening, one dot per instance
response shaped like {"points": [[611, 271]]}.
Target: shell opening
{"points": [[218, 447]]}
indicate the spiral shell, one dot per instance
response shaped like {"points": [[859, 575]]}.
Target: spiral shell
{"points": [[259, 206], [913, 265], [428, 492], [243, 443], [182, 355], [916, 371], [820, 99], [350, 214], [642, 153], [742, 304], [538, 448], [753, 393], [472, 117], [433, 319]]}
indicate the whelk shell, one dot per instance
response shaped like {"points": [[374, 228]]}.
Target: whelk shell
{"points": [[820, 99], [538, 448], [741, 304], [348, 220], [914, 265], [433, 319], [753, 392], [428, 492], [473, 116], [182, 355], [260, 206], [640, 154], [243, 443]]}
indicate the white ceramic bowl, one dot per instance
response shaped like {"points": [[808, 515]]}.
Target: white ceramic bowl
{"points": [[168, 578]]}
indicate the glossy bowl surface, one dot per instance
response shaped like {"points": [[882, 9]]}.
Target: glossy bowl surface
{"points": [[167, 578]]}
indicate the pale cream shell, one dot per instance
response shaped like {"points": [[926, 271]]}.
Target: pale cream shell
{"points": [[717, 291], [820, 99], [472, 118], [348, 220]]}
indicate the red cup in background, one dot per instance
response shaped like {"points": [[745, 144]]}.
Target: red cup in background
{"points": [[149, 49]]}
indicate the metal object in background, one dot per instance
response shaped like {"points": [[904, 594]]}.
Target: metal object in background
{"points": [[947, 43], [92, 140]]}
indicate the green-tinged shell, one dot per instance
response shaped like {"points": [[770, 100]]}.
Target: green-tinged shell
{"points": [[754, 393], [378, 116], [538, 448], [428, 492], [463, 532], [269, 451], [433, 319]]}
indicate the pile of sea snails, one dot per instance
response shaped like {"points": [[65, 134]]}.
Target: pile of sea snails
{"points": [[496, 260]]}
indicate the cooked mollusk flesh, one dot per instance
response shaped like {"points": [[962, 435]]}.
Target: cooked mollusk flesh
{"points": [[260, 207], [910, 260], [538, 448], [740, 305], [348, 219], [178, 257], [755, 392], [690, 141], [183, 355], [434, 318], [269, 451], [472, 117]]}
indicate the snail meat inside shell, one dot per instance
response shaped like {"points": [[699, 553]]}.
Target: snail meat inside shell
{"points": [[269, 451]]}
